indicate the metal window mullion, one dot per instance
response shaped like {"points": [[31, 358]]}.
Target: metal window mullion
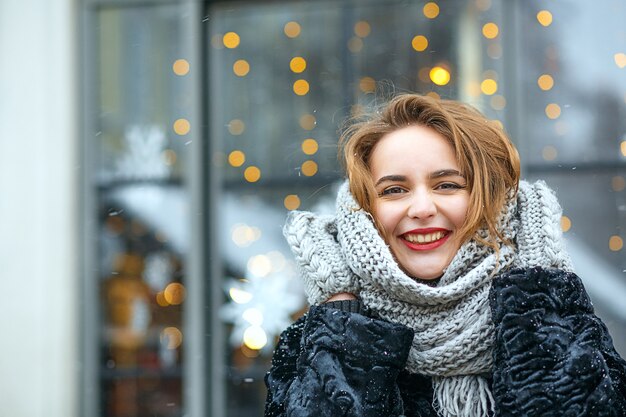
{"points": [[516, 114], [212, 186], [198, 361]]}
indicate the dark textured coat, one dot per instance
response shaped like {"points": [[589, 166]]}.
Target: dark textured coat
{"points": [[552, 357]]}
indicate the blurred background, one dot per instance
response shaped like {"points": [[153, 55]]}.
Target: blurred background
{"points": [[151, 149]]}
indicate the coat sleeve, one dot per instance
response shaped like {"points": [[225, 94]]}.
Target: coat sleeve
{"points": [[553, 356], [337, 363]]}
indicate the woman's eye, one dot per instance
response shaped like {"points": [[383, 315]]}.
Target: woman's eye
{"points": [[391, 190], [449, 186]]}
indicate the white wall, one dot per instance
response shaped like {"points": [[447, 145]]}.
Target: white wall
{"points": [[38, 209]]}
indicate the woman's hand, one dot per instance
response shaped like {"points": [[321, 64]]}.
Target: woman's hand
{"points": [[341, 296]]}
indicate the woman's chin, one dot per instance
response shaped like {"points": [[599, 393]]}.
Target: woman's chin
{"points": [[421, 276]]}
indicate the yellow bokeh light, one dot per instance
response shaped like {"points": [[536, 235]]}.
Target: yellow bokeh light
{"points": [[256, 233], [301, 87], [431, 10], [544, 17], [433, 95], [259, 265], [419, 43], [231, 40], [297, 64], [490, 30], [239, 296], [160, 299], [252, 174], [236, 127], [244, 235], [180, 67], [182, 127], [254, 337], [620, 59], [489, 86], [553, 111], [549, 153], [498, 102], [171, 337], [566, 223], [622, 147], [307, 121], [174, 293], [616, 243], [618, 183], [292, 29], [309, 168], [241, 68], [309, 146], [169, 157], [439, 75], [355, 44], [236, 158], [291, 202], [362, 29], [367, 84], [545, 82]]}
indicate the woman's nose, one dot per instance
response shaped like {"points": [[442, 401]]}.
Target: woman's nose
{"points": [[422, 205]]}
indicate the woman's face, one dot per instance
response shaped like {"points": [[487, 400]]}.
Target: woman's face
{"points": [[422, 199]]}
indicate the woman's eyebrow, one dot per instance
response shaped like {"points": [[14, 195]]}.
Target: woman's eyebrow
{"points": [[446, 173], [392, 178]]}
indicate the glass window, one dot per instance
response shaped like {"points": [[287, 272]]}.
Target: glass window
{"points": [[139, 137], [279, 79]]}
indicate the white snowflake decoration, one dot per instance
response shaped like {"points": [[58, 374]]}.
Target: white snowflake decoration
{"points": [[143, 158], [261, 308]]}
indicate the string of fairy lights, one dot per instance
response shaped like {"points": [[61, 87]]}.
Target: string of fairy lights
{"points": [[440, 74]]}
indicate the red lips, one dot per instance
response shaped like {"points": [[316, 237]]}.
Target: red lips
{"points": [[436, 237]]}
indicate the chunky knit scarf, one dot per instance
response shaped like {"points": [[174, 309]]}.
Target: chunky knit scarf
{"points": [[454, 333]]}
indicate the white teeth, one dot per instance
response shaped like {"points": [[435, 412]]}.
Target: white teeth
{"points": [[424, 238]]}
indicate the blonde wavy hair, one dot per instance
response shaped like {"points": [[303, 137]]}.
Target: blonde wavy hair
{"points": [[486, 156]]}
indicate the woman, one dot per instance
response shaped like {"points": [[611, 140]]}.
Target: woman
{"points": [[441, 285]]}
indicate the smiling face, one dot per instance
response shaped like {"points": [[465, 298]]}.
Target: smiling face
{"points": [[422, 199]]}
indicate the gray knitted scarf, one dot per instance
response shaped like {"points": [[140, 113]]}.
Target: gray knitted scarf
{"points": [[454, 333]]}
